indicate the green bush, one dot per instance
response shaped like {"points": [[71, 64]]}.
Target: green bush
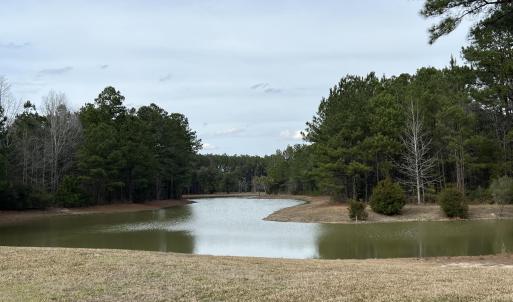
{"points": [[502, 190], [39, 200], [21, 197], [357, 210], [14, 197], [387, 198], [70, 194], [480, 195], [453, 203]]}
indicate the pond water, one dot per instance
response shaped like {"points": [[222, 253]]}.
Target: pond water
{"points": [[234, 226]]}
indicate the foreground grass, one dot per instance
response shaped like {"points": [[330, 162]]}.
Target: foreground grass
{"points": [[57, 274]]}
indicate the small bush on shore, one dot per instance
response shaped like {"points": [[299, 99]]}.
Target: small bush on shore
{"points": [[387, 198], [502, 190], [357, 210], [453, 203]]}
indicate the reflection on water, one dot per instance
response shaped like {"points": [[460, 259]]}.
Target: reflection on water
{"points": [[103, 231], [234, 226], [416, 239]]}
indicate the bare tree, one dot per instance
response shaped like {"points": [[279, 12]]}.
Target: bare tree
{"points": [[10, 108], [64, 132], [8, 102], [4, 90], [417, 164]]}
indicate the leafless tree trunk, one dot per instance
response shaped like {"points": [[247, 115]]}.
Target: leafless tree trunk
{"points": [[460, 168], [11, 107], [8, 102], [64, 131], [417, 163], [5, 88]]}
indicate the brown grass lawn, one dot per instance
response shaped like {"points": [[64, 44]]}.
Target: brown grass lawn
{"points": [[321, 209], [59, 274]]}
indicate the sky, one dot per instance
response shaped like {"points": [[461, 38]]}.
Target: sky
{"points": [[247, 74]]}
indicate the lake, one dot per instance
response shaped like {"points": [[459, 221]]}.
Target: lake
{"points": [[234, 226]]}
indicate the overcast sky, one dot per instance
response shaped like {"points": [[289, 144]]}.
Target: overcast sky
{"points": [[247, 74]]}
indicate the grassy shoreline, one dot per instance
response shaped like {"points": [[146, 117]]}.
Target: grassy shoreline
{"points": [[9, 217], [316, 209], [44, 274], [320, 209]]}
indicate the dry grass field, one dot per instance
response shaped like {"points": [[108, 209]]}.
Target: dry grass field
{"points": [[58, 274]]}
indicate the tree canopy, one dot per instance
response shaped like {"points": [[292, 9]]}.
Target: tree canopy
{"points": [[450, 13]]}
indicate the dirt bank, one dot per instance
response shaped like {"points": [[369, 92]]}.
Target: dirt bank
{"points": [[58, 274], [7, 217], [321, 209]]}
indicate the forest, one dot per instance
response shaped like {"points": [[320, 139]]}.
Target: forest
{"points": [[103, 153], [436, 128]]}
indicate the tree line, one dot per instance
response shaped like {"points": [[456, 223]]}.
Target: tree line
{"points": [[102, 153], [429, 130]]}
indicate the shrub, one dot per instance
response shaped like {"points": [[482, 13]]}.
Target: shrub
{"points": [[14, 197], [20, 197], [387, 198], [502, 190], [480, 195], [39, 200], [357, 210], [453, 203], [70, 194]]}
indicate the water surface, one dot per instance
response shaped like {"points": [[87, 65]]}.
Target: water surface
{"points": [[234, 226]]}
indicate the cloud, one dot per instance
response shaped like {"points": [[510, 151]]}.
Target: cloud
{"points": [[227, 132], [12, 45], [29, 83], [54, 71], [104, 66], [259, 86], [27, 87], [293, 135], [207, 147], [166, 78], [265, 87], [272, 90]]}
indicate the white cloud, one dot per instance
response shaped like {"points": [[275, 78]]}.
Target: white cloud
{"points": [[265, 87], [12, 45], [259, 86], [54, 71], [208, 147], [272, 90], [229, 131], [166, 78], [294, 135]]}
